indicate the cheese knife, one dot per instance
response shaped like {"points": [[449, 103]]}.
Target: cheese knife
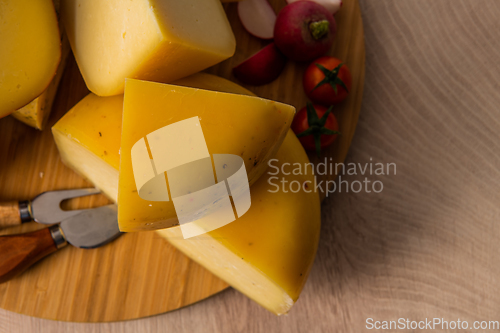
{"points": [[89, 229], [44, 208]]}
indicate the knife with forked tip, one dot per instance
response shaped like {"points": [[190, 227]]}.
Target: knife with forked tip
{"points": [[45, 208], [91, 228]]}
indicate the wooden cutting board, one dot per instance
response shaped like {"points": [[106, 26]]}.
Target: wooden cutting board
{"points": [[139, 274]]}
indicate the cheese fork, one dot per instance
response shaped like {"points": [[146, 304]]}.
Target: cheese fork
{"points": [[45, 208]]}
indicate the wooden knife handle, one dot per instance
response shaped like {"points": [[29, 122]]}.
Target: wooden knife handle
{"points": [[19, 252], [9, 214]]}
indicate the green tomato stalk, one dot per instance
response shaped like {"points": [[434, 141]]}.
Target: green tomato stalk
{"points": [[317, 126]]}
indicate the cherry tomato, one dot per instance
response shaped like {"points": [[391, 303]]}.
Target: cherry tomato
{"points": [[327, 81], [316, 127]]}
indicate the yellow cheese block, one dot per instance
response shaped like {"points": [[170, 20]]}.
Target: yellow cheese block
{"points": [[267, 253], [30, 51], [157, 40], [246, 126], [36, 113], [88, 136]]}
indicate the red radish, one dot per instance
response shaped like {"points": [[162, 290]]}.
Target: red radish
{"points": [[261, 68], [258, 17], [333, 6], [304, 30]]}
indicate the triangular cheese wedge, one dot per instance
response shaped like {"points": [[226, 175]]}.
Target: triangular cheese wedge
{"points": [[247, 126], [88, 135]]}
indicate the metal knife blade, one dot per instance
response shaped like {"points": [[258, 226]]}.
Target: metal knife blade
{"points": [[92, 227], [45, 208], [89, 229]]}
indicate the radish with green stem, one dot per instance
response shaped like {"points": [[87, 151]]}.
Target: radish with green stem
{"points": [[304, 30]]}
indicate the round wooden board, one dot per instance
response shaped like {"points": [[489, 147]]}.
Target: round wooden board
{"points": [[139, 274]]}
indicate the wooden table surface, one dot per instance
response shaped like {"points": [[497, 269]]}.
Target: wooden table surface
{"points": [[428, 245]]}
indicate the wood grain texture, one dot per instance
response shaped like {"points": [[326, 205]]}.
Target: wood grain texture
{"points": [[427, 246], [9, 214], [139, 274], [19, 252]]}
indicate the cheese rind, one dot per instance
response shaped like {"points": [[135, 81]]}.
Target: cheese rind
{"points": [[250, 127], [145, 39], [26, 26], [267, 253], [37, 112]]}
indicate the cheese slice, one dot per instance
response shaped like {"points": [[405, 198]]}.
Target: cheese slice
{"points": [[26, 26], [250, 127], [157, 40]]}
